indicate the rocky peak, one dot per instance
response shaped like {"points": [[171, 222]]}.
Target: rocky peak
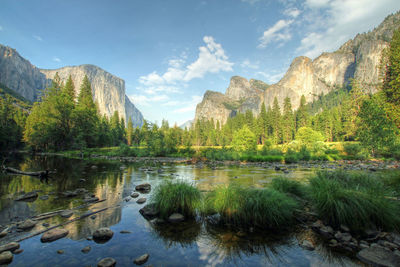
{"points": [[240, 88]]}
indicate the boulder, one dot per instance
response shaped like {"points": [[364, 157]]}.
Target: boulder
{"points": [[53, 235], [141, 200], [28, 196], [149, 211], [9, 247], [6, 257], [134, 195], [106, 262], [66, 213], [145, 188], [142, 259], [379, 257], [102, 234], [176, 218], [27, 225]]}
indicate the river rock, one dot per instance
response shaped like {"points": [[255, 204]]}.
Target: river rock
{"points": [[60, 251], [26, 225], [142, 259], [28, 196], [176, 218], [3, 234], [141, 200], [44, 197], [18, 251], [307, 245], [379, 257], [69, 194], [125, 232], [9, 247], [149, 211], [326, 231], [106, 262], [86, 249], [103, 234], [134, 195], [53, 235], [6, 257], [145, 188], [66, 213]]}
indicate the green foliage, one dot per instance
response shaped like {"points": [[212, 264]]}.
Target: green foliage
{"points": [[243, 207], [288, 186], [308, 136], [341, 198], [244, 140], [177, 197], [352, 149]]}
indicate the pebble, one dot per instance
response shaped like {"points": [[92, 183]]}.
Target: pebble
{"points": [[106, 262], [60, 251], [53, 235], [141, 200], [142, 259], [6, 257], [86, 249], [176, 218]]}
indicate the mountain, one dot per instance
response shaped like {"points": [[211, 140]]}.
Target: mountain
{"points": [[358, 58], [27, 80], [187, 124]]}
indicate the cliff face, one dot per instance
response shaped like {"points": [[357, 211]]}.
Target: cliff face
{"points": [[108, 90], [359, 58]]}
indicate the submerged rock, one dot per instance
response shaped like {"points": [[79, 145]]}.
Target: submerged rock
{"points": [[6, 257], [149, 211], [141, 200], [18, 251], [27, 225], [125, 232], [53, 235], [102, 235], [66, 213], [106, 262], [176, 218], [145, 188], [377, 256], [44, 197], [307, 245], [86, 249], [9, 247], [30, 196], [142, 259], [134, 195], [60, 251]]}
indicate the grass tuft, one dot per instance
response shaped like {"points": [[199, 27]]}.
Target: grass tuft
{"points": [[288, 186]]}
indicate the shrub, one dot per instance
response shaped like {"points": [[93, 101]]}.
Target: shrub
{"points": [[352, 149], [125, 150], [244, 140], [308, 136], [288, 186], [178, 197], [341, 198], [304, 153], [291, 156], [264, 208]]}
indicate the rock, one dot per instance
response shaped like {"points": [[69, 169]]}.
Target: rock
{"points": [[69, 194], [145, 188], [127, 199], [333, 243], [9, 247], [17, 251], [27, 225], [60, 251], [134, 195], [344, 228], [3, 234], [379, 257], [90, 199], [307, 245], [6, 257], [66, 213], [45, 224], [106, 262], [142, 259], [93, 217], [141, 200], [326, 231], [149, 211], [125, 232], [176, 218], [53, 235], [343, 237], [28, 196], [44, 197], [86, 249], [102, 234]]}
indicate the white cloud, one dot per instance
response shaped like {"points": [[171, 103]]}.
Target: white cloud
{"points": [[247, 64], [188, 106], [271, 78], [292, 12], [147, 100], [56, 59], [37, 37], [340, 21], [278, 32]]}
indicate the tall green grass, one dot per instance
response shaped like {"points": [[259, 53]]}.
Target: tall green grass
{"points": [[355, 200], [243, 207], [288, 186], [181, 197]]}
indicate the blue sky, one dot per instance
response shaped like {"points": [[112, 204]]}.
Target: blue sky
{"points": [[170, 52]]}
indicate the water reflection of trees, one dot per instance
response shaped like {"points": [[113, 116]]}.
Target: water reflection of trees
{"points": [[183, 234]]}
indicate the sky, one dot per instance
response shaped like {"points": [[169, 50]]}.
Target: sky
{"points": [[170, 52]]}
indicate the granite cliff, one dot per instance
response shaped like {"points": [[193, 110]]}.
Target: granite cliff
{"points": [[358, 58], [108, 90]]}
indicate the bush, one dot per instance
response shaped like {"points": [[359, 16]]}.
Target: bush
{"points": [[287, 186], [263, 208], [125, 150], [341, 198], [244, 140], [352, 149], [304, 153], [178, 197], [291, 156]]}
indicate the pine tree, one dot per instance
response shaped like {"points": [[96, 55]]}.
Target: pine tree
{"points": [[129, 132], [288, 124], [302, 116], [69, 88], [276, 121]]}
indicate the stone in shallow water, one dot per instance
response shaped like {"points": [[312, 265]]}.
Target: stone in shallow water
{"points": [[134, 195], [66, 213], [18, 251], [28, 196], [86, 249], [307, 245], [53, 235], [102, 234], [142, 259], [149, 211], [125, 232], [60, 251], [145, 188], [377, 256], [141, 200], [176, 217], [26, 225], [9, 247], [6, 257], [106, 262], [44, 197]]}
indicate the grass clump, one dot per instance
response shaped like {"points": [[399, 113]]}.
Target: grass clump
{"points": [[243, 207], [288, 186], [180, 197], [343, 198]]}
